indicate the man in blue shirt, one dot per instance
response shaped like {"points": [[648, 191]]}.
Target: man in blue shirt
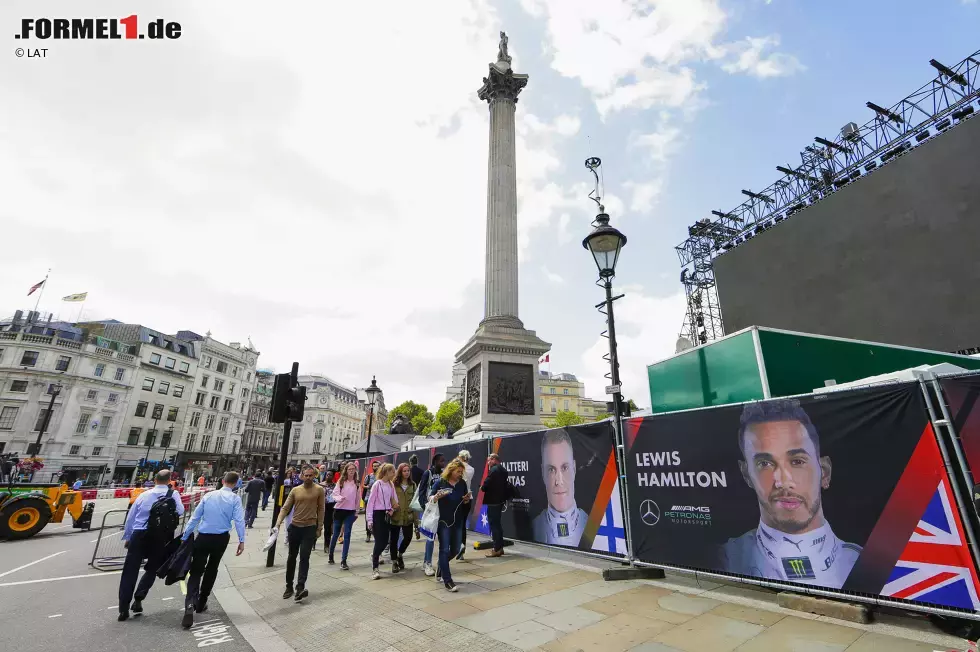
{"points": [[139, 546], [77, 485], [212, 520]]}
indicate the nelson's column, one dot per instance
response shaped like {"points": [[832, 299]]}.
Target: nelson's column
{"points": [[500, 393]]}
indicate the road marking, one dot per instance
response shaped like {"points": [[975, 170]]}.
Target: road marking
{"points": [[165, 599], [114, 534], [183, 587], [58, 579], [55, 616], [32, 563]]}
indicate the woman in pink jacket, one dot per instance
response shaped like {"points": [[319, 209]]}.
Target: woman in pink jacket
{"points": [[347, 498], [381, 503]]}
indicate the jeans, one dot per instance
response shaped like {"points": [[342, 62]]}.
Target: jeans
{"points": [[343, 518], [429, 548], [379, 527], [265, 498], [494, 516], [301, 540], [208, 550], [140, 547], [450, 539], [251, 511], [398, 548]]}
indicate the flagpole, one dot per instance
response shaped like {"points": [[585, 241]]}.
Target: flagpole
{"points": [[80, 308], [44, 284]]}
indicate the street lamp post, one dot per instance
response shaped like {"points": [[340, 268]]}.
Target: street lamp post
{"points": [[55, 390], [167, 435], [150, 441], [372, 394]]}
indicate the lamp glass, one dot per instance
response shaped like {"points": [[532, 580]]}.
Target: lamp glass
{"points": [[605, 250]]}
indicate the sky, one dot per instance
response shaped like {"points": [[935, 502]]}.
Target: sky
{"points": [[312, 175]]}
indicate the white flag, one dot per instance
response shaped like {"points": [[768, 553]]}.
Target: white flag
{"points": [[75, 297]]}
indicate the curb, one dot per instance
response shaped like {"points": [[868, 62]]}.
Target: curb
{"points": [[256, 632]]}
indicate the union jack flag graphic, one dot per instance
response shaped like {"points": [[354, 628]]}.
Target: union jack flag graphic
{"points": [[936, 565]]}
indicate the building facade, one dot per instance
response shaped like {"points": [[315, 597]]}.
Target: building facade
{"points": [[376, 416], [262, 438], [94, 379], [566, 393], [333, 421]]}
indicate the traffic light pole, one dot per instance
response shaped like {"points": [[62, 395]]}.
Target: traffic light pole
{"points": [[283, 452]]}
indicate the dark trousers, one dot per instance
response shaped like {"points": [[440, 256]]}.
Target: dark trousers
{"points": [[494, 518], [327, 525], [265, 498], [208, 551], [140, 547], [464, 515], [380, 528], [450, 540], [302, 539], [398, 549], [251, 511]]}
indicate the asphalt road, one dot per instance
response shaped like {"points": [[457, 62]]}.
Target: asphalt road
{"points": [[52, 599]]}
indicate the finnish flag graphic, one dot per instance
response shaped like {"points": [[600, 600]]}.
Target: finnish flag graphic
{"points": [[611, 535]]}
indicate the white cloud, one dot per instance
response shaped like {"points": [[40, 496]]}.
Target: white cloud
{"points": [[644, 194], [660, 143], [556, 279], [646, 331], [748, 56]]}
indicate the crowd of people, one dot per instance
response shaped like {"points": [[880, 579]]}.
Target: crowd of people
{"points": [[316, 503]]}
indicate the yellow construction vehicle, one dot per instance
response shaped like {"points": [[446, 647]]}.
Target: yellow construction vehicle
{"points": [[26, 508]]}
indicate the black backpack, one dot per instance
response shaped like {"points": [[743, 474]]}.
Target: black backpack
{"points": [[163, 517]]}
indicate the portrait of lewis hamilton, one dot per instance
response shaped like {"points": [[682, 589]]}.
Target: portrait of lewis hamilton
{"points": [[781, 462]]}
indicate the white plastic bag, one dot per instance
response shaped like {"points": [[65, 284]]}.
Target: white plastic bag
{"points": [[273, 535], [415, 506], [430, 521]]}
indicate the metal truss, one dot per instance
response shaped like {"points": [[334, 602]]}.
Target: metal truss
{"points": [[825, 167]]}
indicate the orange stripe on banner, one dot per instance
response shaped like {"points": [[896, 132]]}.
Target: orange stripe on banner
{"points": [[601, 501]]}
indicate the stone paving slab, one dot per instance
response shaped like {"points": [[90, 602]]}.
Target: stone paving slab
{"points": [[538, 603]]}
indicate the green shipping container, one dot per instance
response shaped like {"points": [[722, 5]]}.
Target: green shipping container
{"points": [[757, 363]]}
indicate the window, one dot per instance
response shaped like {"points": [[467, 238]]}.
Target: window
{"points": [[148, 384], [172, 414], [157, 411], [228, 404], [316, 447], [205, 443], [207, 362], [166, 438], [134, 436], [97, 451], [554, 406], [82, 425], [29, 359], [74, 450], [155, 358], [184, 367], [242, 410], [295, 447], [249, 379], [7, 417], [297, 432], [164, 387], [120, 372], [151, 437], [209, 422], [99, 370], [204, 380], [40, 419], [199, 399], [238, 427], [141, 408], [541, 404], [18, 386], [552, 390], [178, 391], [244, 392], [223, 425], [214, 401], [222, 367], [219, 445], [234, 372], [113, 398], [92, 395], [318, 434], [218, 385], [171, 363], [565, 391], [189, 444], [566, 405], [104, 426], [195, 419], [234, 446], [231, 388]]}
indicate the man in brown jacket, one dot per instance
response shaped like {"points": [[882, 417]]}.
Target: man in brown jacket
{"points": [[306, 503]]}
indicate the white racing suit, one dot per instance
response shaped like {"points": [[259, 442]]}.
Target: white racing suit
{"points": [[816, 557], [560, 528]]}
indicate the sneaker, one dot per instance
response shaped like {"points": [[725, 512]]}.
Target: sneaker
{"points": [[495, 553], [123, 616], [201, 607], [376, 575], [451, 587], [301, 593], [394, 566], [367, 539], [381, 561], [417, 535], [288, 593], [188, 618], [428, 570], [459, 557], [344, 566], [438, 574], [137, 606], [330, 560]]}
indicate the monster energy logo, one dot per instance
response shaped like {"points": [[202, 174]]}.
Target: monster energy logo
{"points": [[563, 529], [798, 568]]}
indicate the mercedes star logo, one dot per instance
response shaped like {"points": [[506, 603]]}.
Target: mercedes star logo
{"points": [[649, 512]]}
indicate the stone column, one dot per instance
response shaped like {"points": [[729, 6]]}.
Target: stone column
{"points": [[500, 90]]}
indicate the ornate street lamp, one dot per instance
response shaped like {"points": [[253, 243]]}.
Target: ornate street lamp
{"points": [[372, 394]]}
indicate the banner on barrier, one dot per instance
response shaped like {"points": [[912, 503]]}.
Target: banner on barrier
{"points": [[843, 491], [963, 398], [567, 487]]}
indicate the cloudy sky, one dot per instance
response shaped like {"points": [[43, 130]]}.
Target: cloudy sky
{"points": [[313, 174]]}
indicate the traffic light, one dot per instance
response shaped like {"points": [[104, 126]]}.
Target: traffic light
{"points": [[288, 399], [297, 403]]}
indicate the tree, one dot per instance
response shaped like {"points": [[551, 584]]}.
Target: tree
{"points": [[449, 416], [563, 419], [416, 413], [602, 415]]}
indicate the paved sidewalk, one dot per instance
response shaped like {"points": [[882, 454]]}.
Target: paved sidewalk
{"points": [[532, 599]]}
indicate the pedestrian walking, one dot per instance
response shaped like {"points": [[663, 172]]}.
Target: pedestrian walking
{"points": [[212, 521], [270, 482], [417, 472], [496, 490], [429, 478], [346, 497], [366, 485], [404, 519], [452, 496], [253, 493], [150, 526], [305, 504], [329, 482], [381, 505], [468, 473]]}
